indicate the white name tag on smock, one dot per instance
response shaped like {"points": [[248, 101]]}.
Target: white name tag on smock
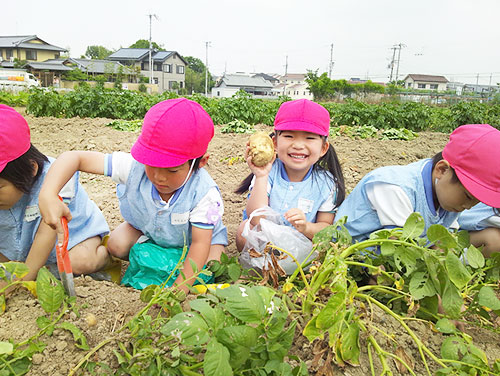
{"points": [[305, 205], [31, 213], [179, 218]]}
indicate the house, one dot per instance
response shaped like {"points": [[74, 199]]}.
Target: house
{"points": [[293, 85], [425, 82], [26, 47], [168, 66], [230, 84]]}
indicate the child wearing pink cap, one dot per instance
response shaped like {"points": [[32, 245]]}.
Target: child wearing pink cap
{"points": [[464, 174], [23, 236], [304, 183], [166, 197]]}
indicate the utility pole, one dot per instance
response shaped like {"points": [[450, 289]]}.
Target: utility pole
{"points": [[391, 64], [151, 48], [286, 72], [207, 44], [400, 46], [330, 67]]}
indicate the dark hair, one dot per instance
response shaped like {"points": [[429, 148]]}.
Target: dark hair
{"points": [[328, 162], [20, 171], [439, 157]]}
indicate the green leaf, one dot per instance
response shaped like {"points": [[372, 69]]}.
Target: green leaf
{"points": [[311, 331], [188, 327], [15, 269], [387, 249], [234, 272], [239, 340], [479, 354], [334, 308], [488, 298], [421, 286], [80, 340], [457, 272], [414, 226], [50, 291], [452, 300], [243, 302], [445, 325], [463, 239], [216, 361], [213, 316], [474, 257], [349, 344], [453, 348], [43, 322], [441, 237], [6, 348]]}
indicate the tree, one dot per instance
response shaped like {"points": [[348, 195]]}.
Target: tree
{"points": [[195, 75], [97, 52], [143, 43]]}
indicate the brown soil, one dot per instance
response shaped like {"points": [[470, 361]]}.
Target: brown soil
{"points": [[113, 305]]}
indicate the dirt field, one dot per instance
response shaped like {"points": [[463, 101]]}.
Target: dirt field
{"points": [[113, 305]]}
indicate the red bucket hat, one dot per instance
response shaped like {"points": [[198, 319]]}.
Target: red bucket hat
{"points": [[474, 153], [303, 115], [173, 132], [14, 135]]}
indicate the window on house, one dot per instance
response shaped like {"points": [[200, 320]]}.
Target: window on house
{"points": [[180, 69], [409, 85], [157, 67], [218, 93], [167, 68], [155, 80], [57, 55], [181, 84], [30, 55], [421, 86], [145, 65], [434, 86], [8, 53]]}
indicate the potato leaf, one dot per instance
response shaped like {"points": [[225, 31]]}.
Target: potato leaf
{"points": [[50, 291], [488, 298], [457, 272], [216, 361], [80, 340], [414, 226]]}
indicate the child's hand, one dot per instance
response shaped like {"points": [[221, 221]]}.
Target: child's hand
{"points": [[297, 218], [52, 210], [258, 171]]}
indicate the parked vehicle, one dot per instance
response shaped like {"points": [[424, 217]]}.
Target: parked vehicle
{"points": [[17, 79]]}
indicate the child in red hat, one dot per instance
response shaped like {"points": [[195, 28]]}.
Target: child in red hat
{"points": [[23, 236], [304, 183], [166, 197]]}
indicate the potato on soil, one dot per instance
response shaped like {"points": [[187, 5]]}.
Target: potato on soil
{"points": [[261, 149]]}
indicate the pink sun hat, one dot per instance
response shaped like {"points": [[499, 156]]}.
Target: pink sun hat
{"points": [[303, 115], [474, 153], [173, 132], [14, 135]]}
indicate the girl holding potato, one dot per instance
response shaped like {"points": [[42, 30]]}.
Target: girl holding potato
{"points": [[303, 181]]}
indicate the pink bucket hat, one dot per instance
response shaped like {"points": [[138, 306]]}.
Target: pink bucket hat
{"points": [[173, 132], [474, 153], [14, 135], [303, 115]]}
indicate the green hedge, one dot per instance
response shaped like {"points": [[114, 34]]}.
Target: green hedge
{"points": [[121, 104]]}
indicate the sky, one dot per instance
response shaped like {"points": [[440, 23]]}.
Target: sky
{"points": [[455, 38]]}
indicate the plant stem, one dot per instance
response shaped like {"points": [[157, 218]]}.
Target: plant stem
{"points": [[89, 354]]}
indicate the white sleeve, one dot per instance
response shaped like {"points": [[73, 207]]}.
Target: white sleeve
{"points": [[253, 182], [391, 203], [329, 204], [493, 221], [118, 165], [209, 210]]}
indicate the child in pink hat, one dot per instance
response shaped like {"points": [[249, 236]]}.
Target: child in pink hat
{"points": [[23, 235], [304, 183], [166, 197], [462, 175]]}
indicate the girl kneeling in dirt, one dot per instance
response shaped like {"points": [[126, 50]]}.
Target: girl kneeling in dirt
{"points": [[304, 183], [464, 174], [166, 198], [23, 236]]}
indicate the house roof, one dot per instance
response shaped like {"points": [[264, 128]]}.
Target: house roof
{"points": [[294, 76], [267, 77], [244, 81], [427, 78], [137, 54], [98, 66], [49, 65], [23, 41]]}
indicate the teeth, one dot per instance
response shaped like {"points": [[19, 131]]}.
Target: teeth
{"points": [[298, 156]]}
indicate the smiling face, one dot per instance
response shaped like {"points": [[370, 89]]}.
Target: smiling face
{"points": [[299, 150], [450, 193], [9, 194]]}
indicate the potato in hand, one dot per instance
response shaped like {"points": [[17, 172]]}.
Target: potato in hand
{"points": [[261, 149]]}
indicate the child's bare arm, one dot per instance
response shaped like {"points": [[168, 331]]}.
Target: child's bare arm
{"points": [[198, 253], [298, 220], [61, 171], [43, 243]]}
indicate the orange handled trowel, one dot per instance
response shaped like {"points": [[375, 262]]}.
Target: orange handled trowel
{"points": [[63, 262]]}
